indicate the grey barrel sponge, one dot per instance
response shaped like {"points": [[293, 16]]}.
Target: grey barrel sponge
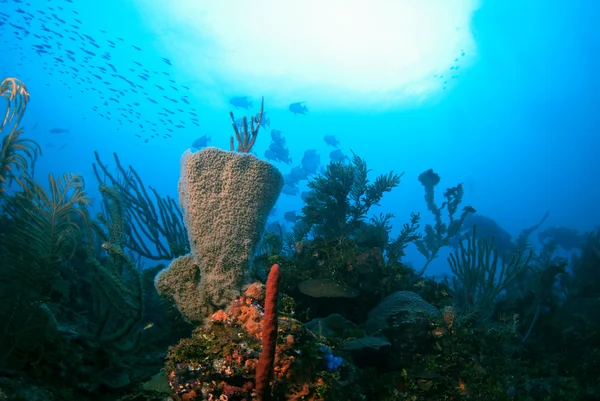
{"points": [[226, 198]]}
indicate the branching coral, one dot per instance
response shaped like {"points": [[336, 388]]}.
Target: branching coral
{"points": [[16, 153], [438, 235], [42, 238], [117, 291], [246, 139], [158, 222], [341, 198], [408, 234], [481, 277]]}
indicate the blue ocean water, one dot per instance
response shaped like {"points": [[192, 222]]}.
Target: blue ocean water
{"points": [[503, 98]]}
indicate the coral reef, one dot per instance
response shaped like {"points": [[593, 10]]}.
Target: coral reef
{"points": [[220, 360], [81, 320]]}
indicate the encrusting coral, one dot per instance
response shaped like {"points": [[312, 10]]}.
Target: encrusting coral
{"points": [[221, 360], [226, 198]]}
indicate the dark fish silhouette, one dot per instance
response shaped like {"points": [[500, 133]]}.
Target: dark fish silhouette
{"points": [[264, 121], [299, 173], [274, 227], [270, 155], [59, 131], [488, 229], [337, 156], [290, 216], [331, 140], [298, 108], [241, 101], [277, 138], [201, 142], [288, 190], [311, 161], [290, 180]]}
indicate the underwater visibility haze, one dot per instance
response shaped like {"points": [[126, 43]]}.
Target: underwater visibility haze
{"points": [[316, 200]]}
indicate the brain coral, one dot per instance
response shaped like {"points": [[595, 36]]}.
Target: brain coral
{"points": [[226, 198]]}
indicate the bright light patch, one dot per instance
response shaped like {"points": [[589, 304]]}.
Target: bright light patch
{"points": [[384, 52]]}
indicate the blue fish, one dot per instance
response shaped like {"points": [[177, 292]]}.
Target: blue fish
{"points": [[288, 190], [290, 180], [337, 156], [311, 161], [298, 108], [265, 121], [59, 131], [299, 174], [277, 138], [201, 142], [270, 155], [331, 140], [290, 216], [241, 101]]}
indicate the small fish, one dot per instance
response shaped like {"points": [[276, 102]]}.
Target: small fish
{"points": [[148, 326], [331, 140], [277, 148], [59, 131], [277, 138], [265, 120], [241, 101], [288, 190], [299, 173], [270, 155], [201, 142], [337, 156], [290, 216], [290, 180], [298, 108], [275, 227], [311, 161]]}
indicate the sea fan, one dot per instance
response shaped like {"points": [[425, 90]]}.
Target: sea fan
{"points": [[16, 153], [41, 235]]}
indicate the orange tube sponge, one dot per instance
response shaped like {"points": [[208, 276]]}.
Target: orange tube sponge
{"points": [[264, 369]]}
